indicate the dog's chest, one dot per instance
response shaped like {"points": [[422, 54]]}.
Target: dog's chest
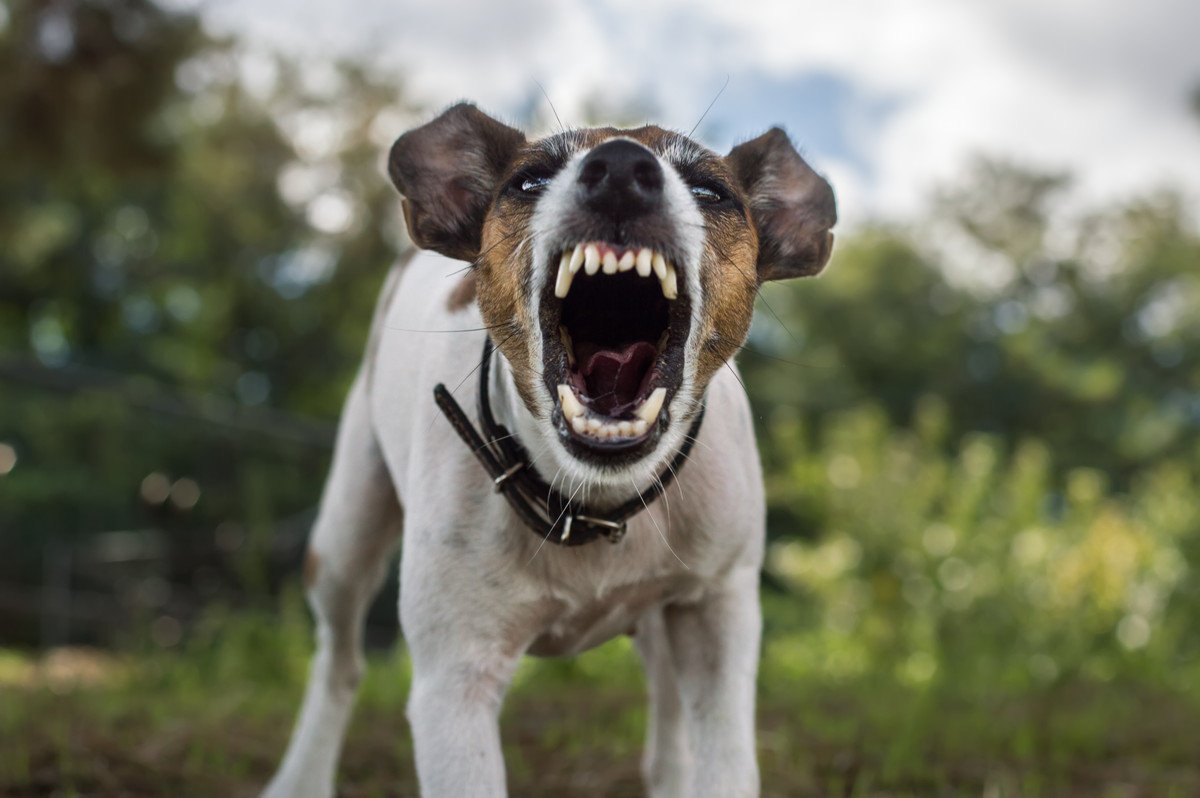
{"points": [[575, 623]]}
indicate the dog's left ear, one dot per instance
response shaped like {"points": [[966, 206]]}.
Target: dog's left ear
{"points": [[792, 206], [447, 171]]}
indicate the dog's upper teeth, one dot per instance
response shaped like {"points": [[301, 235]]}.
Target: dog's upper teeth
{"points": [[562, 285], [587, 257], [644, 258], [670, 283], [660, 265], [610, 262], [591, 259]]}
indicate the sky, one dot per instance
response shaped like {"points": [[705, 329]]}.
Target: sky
{"points": [[890, 100]]}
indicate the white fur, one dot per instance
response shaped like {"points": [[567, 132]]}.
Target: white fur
{"points": [[546, 237], [478, 589]]}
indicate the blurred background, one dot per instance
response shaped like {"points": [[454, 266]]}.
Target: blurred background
{"points": [[981, 426]]}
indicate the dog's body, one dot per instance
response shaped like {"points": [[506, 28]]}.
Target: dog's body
{"points": [[478, 589]]}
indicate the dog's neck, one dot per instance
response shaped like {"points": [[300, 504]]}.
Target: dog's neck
{"points": [[512, 413]]}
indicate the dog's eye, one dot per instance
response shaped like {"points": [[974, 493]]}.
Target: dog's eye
{"points": [[707, 195], [530, 184]]}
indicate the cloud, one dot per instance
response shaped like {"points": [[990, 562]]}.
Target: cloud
{"points": [[890, 99]]}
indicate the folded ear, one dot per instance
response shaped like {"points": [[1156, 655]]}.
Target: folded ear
{"points": [[792, 206], [447, 171]]}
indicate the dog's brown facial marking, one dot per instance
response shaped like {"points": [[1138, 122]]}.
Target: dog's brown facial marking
{"points": [[615, 269]]}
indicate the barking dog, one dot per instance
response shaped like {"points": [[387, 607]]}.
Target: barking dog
{"points": [[609, 481]]}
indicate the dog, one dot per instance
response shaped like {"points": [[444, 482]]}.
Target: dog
{"points": [[591, 288]]}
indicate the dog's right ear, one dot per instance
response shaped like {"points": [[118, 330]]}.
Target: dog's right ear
{"points": [[447, 171]]}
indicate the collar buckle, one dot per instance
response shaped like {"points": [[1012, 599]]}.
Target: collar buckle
{"points": [[512, 471], [613, 530]]}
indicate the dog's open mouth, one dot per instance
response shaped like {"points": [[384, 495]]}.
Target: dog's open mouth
{"points": [[615, 319]]}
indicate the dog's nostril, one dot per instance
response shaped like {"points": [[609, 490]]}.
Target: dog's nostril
{"points": [[621, 178], [648, 175], [593, 172]]}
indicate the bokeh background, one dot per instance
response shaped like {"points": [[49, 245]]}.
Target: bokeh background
{"points": [[981, 426]]}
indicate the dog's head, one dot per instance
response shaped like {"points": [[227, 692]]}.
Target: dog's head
{"points": [[616, 269]]}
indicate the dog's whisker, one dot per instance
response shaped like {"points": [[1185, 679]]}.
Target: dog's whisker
{"points": [[554, 523], [654, 521]]}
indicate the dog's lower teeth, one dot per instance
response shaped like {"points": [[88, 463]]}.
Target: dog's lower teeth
{"points": [[569, 347], [649, 409], [595, 427]]}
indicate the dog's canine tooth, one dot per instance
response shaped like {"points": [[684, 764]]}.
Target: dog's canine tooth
{"points": [[648, 410], [571, 406], [568, 344], [626, 262], [576, 259], [670, 282], [644, 258], [660, 265], [562, 285], [610, 262], [591, 259]]}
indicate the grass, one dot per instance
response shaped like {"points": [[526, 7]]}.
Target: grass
{"points": [[212, 717]]}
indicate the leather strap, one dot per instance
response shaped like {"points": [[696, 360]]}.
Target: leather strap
{"points": [[547, 512]]}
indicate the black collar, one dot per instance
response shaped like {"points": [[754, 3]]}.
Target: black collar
{"points": [[547, 512]]}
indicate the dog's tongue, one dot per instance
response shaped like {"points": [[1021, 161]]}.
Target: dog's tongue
{"points": [[613, 376]]}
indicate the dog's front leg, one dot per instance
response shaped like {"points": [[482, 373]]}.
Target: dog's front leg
{"points": [[355, 533], [462, 666], [714, 647]]}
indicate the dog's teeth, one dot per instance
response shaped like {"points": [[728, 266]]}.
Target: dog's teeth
{"points": [[644, 258], [562, 285], [648, 411], [591, 259], [568, 345], [579, 424], [626, 262], [626, 429], [571, 406], [576, 259], [670, 283], [640, 427], [593, 425], [610, 262], [660, 265]]}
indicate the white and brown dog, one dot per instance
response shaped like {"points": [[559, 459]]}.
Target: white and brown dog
{"points": [[615, 271]]}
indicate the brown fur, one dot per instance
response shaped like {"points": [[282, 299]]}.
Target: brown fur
{"points": [[463, 293], [777, 227], [728, 274], [311, 565]]}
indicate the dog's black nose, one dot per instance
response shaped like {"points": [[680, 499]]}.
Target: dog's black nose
{"points": [[621, 178]]}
